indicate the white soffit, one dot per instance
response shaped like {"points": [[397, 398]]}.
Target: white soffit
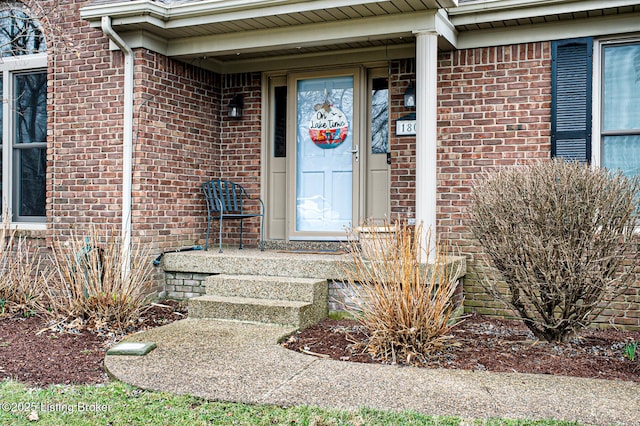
{"points": [[586, 27], [498, 22], [218, 33], [317, 34]]}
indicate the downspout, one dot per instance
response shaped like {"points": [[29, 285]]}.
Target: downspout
{"points": [[127, 143]]}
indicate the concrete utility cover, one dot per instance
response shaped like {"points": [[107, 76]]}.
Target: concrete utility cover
{"points": [[132, 348]]}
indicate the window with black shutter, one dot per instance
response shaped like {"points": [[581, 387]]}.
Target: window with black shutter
{"points": [[572, 69]]}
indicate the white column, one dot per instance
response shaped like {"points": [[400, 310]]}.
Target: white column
{"points": [[426, 133]]}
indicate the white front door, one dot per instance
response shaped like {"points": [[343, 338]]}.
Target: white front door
{"points": [[326, 156]]}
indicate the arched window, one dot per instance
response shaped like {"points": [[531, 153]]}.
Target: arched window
{"points": [[19, 34], [23, 117]]}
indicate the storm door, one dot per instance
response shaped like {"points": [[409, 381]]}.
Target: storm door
{"points": [[326, 152]]}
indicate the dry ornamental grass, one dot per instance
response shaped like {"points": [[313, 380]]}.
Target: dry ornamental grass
{"points": [[406, 305]]}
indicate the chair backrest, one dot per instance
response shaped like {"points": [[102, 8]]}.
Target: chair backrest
{"points": [[223, 196]]}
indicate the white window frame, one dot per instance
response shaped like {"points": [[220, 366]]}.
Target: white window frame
{"points": [[597, 111], [9, 66]]}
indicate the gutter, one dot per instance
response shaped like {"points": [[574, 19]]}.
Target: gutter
{"points": [[127, 143]]}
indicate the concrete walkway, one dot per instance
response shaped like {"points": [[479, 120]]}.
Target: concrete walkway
{"points": [[232, 361]]}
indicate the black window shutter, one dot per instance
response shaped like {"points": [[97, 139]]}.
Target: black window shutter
{"points": [[571, 74]]}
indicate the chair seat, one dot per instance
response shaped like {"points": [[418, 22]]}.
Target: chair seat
{"points": [[238, 215]]}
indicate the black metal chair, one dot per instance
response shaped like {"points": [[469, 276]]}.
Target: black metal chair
{"points": [[226, 200]]}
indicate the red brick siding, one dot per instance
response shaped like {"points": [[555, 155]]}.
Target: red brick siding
{"points": [[494, 111], [403, 149], [176, 148], [241, 145], [84, 154], [176, 135]]}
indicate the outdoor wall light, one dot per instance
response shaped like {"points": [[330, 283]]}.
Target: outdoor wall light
{"points": [[410, 97], [235, 106]]}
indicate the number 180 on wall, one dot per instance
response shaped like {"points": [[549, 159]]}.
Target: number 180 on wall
{"points": [[405, 128]]}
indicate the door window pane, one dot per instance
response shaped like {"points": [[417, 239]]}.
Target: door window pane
{"points": [[380, 116], [324, 117], [280, 122]]}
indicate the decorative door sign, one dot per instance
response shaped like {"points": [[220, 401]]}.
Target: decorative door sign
{"points": [[328, 126]]}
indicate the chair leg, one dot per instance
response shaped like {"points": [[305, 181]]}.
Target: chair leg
{"points": [[206, 241], [262, 233], [220, 236], [240, 235]]}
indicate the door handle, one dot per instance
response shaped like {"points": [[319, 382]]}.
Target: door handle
{"points": [[356, 151]]}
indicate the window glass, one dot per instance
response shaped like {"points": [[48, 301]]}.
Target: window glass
{"points": [[1, 141], [23, 116], [31, 107], [380, 116], [19, 34], [621, 91], [621, 108], [30, 156], [622, 153], [280, 122], [31, 176]]}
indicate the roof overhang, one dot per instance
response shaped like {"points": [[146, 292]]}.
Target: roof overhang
{"points": [[482, 23], [258, 35], [245, 35]]}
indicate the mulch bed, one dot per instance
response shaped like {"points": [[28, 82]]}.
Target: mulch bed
{"points": [[40, 358], [489, 344], [54, 356]]}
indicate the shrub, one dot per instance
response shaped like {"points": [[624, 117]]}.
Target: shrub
{"points": [[559, 234], [22, 273], [95, 286], [406, 306]]}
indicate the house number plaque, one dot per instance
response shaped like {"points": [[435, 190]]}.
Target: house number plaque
{"points": [[405, 127]]}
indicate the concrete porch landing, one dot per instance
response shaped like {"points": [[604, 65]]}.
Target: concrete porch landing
{"points": [[279, 263], [255, 262]]}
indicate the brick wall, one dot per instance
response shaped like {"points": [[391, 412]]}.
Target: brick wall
{"points": [[403, 149], [494, 111], [176, 135], [176, 148], [240, 148], [84, 154]]}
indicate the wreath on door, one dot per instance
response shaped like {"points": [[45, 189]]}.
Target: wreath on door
{"points": [[328, 126]]}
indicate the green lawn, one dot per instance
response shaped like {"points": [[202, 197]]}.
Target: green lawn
{"points": [[119, 404]]}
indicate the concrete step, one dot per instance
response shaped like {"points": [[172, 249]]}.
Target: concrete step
{"points": [[267, 287], [255, 262], [296, 313]]}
